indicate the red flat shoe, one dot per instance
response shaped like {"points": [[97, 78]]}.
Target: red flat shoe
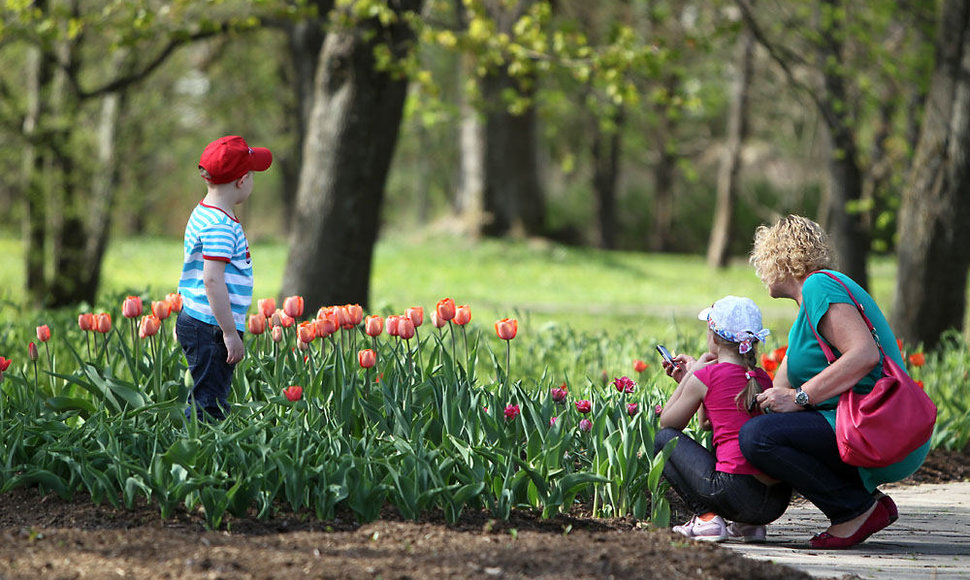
{"points": [[891, 509], [877, 520]]}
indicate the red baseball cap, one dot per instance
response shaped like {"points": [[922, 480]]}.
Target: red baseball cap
{"points": [[229, 158]]}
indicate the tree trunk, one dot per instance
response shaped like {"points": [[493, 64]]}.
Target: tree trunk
{"points": [[933, 236], [469, 199], [606, 171], [664, 174], [722, 231], [304, 42], [843, 221], [40, 66], [350, 141]]}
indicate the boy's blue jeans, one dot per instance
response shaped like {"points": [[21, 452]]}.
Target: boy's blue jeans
{"points": [[205, 351], [800, 448], [690, 469]]}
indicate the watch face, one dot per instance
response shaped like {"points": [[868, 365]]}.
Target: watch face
{"points": [[801, 397]]}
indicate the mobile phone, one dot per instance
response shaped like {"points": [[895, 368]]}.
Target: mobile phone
{"points": [[665, 354]]}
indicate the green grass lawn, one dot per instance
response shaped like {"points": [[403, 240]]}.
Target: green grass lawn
{"points": [[538, 282]]}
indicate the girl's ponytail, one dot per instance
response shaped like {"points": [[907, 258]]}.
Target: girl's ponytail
{"points": [[746, 397]]}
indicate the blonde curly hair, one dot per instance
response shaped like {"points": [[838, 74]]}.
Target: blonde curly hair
{"points": [[794, 247]]}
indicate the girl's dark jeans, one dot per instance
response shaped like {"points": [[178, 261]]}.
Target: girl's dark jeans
{"points": [[800, 449], [205, 351], [690, 469]]}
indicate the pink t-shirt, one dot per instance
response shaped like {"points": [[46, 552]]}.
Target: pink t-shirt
{"points": [[724, 381]]}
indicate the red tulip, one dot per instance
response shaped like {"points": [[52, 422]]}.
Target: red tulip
{"points": [[307, 331], [374, 325], [293, 306], [559, 393], [32, 351], [632, 408], [293, 393], [4, 363], [416, 314], [162, 309], [326, 327], [391, 324], [103, 323], [175, 301], [405, 328], [917, 359], [639, 366], [436, 321], [445, 309], [43, 333], [256, 324], [624, 384], [507, 328], [367, 358], [356, 313], [267, 306], [149, 326], [511, 412], [584, 406], [86, 321], [463, 315], [131, 307]]}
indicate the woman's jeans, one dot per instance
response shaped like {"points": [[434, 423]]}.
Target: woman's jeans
{"points": [[690, 469], [205, 351], [800, 449]]}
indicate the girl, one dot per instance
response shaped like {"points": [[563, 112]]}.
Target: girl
{"points": [[721, 389]]}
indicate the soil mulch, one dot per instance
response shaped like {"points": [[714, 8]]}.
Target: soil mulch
{"points": [[46, 537]]}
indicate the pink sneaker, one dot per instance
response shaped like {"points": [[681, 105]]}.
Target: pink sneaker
{"points": [[714, 530], [748, 533]]}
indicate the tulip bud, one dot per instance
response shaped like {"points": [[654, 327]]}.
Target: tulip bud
{"points": [[391, 324], [632, 408], [559, 393], [405, 328], [463, 315], [174, 300], [43, 333], [85, 321], [356, 313], [445, 309], [367, 358], [416, 314], [256, 324], [103, 323], [32, 352], [585, 425], [277, 333], [373, 325], [161, 309], [131, 307]]}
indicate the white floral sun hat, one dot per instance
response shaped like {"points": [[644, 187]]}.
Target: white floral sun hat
{"points": [[736, 319]]}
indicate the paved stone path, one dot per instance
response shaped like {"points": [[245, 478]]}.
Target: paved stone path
{"points": [[931, 538]]}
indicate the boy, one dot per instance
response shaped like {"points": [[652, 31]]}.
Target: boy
{"points": [[217, 274]]}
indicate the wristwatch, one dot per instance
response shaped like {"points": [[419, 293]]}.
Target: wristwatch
{"points": [[801, 398]]}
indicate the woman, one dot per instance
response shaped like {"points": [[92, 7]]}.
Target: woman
{"points": [[720, 388], [795, 440]]}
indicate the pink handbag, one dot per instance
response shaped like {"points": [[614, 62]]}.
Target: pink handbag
{"points": [[882, 427]]}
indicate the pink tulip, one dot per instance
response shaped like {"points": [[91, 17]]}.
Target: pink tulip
{"points": [[43, 333], [584, 406], [86, 321], [175, 301], [277, 334], [367, 358], [416, 314], [293, 306], [103, 323], [374, 325], [162, 309], [511, 412], [585, 425], [131, 307], [632, 409], [256, 324], [559, 393], [356, 314], [267, 306], [507, 328], [307, 331], [391, 324], [405, 328], [624, 384], [437, 321], [463, 315], [149, 326]]}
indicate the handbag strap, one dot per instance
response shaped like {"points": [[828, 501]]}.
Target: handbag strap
{"points": [[826, 349]]}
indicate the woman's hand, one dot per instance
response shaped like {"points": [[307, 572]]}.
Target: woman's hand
{"points": [[778, 400]]}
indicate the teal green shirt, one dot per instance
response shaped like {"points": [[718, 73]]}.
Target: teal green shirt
{"points": [[806, 359]]}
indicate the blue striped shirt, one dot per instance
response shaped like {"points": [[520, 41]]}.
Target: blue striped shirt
{"points": [[212, 234]]}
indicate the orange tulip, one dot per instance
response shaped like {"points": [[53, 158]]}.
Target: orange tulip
{"points": [[86, 321], [391, 323], [267, 306], [293, 306], [149, 326], [103, 323], [256, 324], [463, 315], [639, 366], [445, 309], [326, 327], [436, 321], [506, 328], [416, 314], [917, 359], [367, 358], [405, 328], [174, 300], [285, 320], [162, 309], [307, 331], [131, 307], [43, 333], [32, 351], [373, 325], [356, 313]]}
